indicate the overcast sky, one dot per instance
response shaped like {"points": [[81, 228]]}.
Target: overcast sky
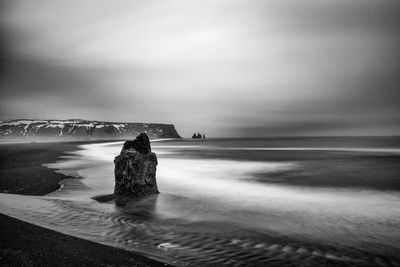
{"points": [[223, 67]]}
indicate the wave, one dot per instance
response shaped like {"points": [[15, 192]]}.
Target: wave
{"points": [[365, 150], [210, 211]]}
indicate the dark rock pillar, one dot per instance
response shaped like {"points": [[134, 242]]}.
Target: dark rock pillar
{"points": [[135, 169]]}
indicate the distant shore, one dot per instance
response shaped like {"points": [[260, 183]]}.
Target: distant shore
{"points": [[25, 244]]}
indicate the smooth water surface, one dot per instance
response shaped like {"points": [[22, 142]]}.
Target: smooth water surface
{"points": [[250, 202]]}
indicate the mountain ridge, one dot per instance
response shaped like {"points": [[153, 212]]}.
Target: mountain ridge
{"points": [[79, 129]]}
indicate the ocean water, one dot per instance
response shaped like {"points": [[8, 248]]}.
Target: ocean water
{"points": [[238, 202]]}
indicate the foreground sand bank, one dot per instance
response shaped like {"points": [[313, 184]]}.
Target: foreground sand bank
{"points": [[25, 244], [21, 170]]}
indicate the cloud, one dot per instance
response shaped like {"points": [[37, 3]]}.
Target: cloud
{"points": [[224, 67]]}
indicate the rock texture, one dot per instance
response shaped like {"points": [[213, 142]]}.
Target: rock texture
{"points": [[135, 169]]}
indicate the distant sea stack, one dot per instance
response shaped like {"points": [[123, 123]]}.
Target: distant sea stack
{"points": [[76, 129], [198, 136], [135, 169]]}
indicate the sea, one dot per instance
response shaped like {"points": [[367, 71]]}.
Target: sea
{"points": [[309, 201]]}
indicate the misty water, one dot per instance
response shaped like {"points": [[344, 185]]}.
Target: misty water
{"points": [[238, 202]]}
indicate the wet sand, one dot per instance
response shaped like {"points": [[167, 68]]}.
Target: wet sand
{"points": [[25, 244], [21, 170]]}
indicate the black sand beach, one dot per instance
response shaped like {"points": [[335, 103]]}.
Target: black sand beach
{"points": [[25, 244], [21, 170]]}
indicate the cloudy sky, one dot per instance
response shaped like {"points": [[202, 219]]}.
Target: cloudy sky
{"points": [[224, 67]]}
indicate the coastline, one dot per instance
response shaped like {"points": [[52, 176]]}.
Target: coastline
{"points": [[25, 244], [21, 170]]}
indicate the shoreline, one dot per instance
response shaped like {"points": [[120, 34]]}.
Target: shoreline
{"points": [[22, 171], [26, 244]]}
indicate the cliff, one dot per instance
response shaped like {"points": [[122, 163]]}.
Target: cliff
{"points": [[81, 129]]}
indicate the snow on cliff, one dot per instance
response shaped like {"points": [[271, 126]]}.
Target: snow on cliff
{"points": [[83, 129]]}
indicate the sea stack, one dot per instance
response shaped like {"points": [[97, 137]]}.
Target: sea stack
{"points": [[135, 169]]}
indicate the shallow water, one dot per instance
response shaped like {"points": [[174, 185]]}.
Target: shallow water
{"points": [[238, 202]]}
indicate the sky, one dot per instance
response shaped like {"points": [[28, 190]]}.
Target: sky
{"points": [[228, 68]]}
